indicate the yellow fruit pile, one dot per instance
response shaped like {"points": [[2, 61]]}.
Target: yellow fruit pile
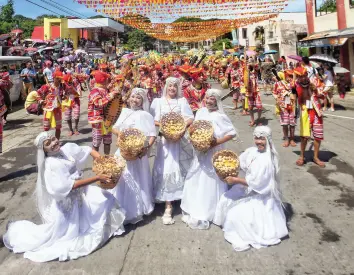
{"points": [[226, 163], [111, 166], [202, 135], [131, 142], [172, 125]]}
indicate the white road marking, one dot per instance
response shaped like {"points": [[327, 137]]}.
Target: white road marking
{"points": [[270, 105]]}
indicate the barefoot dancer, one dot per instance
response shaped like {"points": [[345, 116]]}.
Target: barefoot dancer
{"points": [[285, 101], [310, 115]]}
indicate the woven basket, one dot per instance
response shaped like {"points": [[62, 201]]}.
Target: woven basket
{"points": [[202, 136], [111, 166], [173, 126], [226, 163], [131, 143]]}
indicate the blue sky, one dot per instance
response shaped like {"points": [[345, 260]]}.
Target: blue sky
{"points": [[29, 10]]}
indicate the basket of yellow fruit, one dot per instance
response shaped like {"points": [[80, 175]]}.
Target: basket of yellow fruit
{"points": [[131, 143], [111, 166], [201, 134], [172, 126], [226, 163]]}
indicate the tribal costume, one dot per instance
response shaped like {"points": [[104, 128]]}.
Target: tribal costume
{"points": [[98, 99], [311, 118], [285, 100], [50, 96]]}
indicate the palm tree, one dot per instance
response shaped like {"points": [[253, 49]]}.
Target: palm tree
{"points": [[259, 34]]}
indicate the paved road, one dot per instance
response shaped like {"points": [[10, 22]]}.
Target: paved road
{"points": [[319, 207]]}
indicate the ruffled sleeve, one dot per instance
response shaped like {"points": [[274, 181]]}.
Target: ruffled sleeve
{"points": [[78, 153], [147, 124], [121, 118], [58, 179], [259, 173], [186, 110], [155, 109], [225, 125]]}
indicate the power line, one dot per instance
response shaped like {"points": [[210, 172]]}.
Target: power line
{"points": [[50, 4], [43, 7]]}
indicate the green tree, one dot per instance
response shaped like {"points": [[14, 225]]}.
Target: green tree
{"points": [[137, 39], [219, 44], [7, 11], [328, 6]]}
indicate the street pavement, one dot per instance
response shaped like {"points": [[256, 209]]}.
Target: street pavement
{"points": [[319, 206]]}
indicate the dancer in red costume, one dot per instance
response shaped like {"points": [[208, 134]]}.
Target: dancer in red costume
{"points": [[311, 118]]}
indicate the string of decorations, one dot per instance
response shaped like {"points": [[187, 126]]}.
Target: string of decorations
{"points": [[151, 16]]}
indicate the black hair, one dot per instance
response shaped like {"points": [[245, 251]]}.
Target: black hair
{"points": [[306, 60]]}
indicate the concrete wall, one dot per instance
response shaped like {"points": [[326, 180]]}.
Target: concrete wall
{"points": [[349, 12], [286, 17], [325, 22]]}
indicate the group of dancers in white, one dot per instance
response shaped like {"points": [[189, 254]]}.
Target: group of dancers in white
{"points": [[78, 217]]}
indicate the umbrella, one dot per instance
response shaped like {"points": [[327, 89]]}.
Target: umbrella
{"points": [[16, 31], [4, 36], [340, 70], [250, 53], [295, 57], [323, 58], [270, 52], [17, 51]]}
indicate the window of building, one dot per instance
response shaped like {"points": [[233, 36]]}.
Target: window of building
{"points": [[270, 34], [324, 7], [351, 3], [244, 33]]}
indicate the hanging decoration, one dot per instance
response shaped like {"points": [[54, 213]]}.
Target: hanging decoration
{"points": [[214, 17]]}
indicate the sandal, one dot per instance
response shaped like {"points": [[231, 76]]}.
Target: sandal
{"points": [[251, 124], [167, 217], [70, 133], [77, 132], [300, 162]]}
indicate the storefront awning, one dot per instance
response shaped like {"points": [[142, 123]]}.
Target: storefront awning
{"points": [[327, 39]]}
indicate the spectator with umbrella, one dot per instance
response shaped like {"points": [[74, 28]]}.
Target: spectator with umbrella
{"points": [[328, 79]]}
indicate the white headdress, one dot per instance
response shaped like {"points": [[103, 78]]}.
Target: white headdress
{"points": [[43, 198], [143, 94], [265, 131], [217, 94], [175, 81]]}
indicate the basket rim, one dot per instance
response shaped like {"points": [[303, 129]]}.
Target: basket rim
{"points": [[226, 152]]}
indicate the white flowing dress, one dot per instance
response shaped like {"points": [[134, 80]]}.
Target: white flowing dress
{"points": [[172, 158], [252, 216], [78, 221], [134, 189], [203, 187]]}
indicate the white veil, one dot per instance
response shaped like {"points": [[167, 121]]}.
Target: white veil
{"points": [[43, 199], [143, 94], [217, 94], [265, 131], [176, 81]]}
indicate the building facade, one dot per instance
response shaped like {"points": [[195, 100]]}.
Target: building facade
{"points": [[281, 34], [331, 31]]}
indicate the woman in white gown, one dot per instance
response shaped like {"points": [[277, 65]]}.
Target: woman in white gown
{"points": [[172, 158], [251, 212], [77, 218], [203, 188], [134, 189]]}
